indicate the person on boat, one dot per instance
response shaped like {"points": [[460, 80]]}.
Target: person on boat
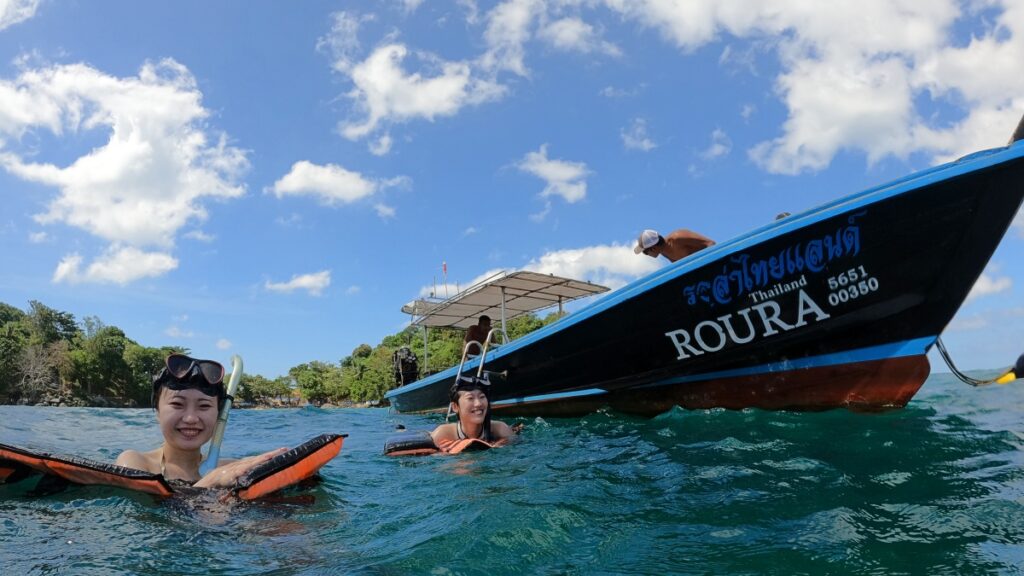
{"points": [[188, 395], [472, 407], [675, 246], [476, 335]]}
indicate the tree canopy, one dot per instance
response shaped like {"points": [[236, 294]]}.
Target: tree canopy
{"points": [[46, 354]]}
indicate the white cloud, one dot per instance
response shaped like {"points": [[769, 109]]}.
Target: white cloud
{"points": [[117, 265], [343, 40], [382, 146], [176, 332], [224, 344], [562, 178], [720, 146], [145, 183], [988, 283], [200, 236], [635, 137], [353, 290], [313, 283], [385, 93], [573, 34], [451, 289], [613, 92], [610, 265], [508, 29], [969, 323], [853, 72], [384, 211], [331, 183], [15, 11], [410, 6], [747, 111], [38, 237], [470, 231], [292, 220]]}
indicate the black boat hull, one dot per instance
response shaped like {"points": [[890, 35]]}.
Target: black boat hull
{"points": [[836, 307]]}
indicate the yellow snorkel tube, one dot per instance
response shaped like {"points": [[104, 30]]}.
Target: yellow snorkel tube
{"points": [[222, 419]]}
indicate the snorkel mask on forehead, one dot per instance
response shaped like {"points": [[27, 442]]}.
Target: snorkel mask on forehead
{"points": [[181, 372], [467, 383]]}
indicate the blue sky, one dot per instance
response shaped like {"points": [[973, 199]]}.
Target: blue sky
{"points": [[275, 179]]}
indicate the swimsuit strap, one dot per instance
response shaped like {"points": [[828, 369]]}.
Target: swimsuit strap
{"points": [[485, 435], [163, 461]]}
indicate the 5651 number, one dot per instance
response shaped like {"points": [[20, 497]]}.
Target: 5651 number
{"points": [[850, 285]]}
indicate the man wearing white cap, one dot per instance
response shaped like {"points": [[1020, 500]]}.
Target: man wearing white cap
{"points": [[675, 246]]}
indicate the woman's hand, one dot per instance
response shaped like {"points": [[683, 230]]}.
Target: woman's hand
{"points": [[225, 476]]}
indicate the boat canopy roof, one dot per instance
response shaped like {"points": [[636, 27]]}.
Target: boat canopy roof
{"points": [[504, 295]]}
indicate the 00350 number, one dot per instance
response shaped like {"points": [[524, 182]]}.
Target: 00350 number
{"points": [[853, 291]]}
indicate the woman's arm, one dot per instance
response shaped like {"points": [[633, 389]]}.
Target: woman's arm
{"points": [[225, 475]]}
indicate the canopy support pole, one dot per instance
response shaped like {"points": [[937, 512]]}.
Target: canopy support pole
{"points": [[504, 334]]}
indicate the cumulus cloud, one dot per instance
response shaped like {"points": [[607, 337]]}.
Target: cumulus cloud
{"points": [[144, 184], [314, 283], [446, 290], [562, 178], [199, 236], [118, 265], [720, 146], [330, 184], [15, 11], [611, 265], [853, 72], [989, 283], [384, 211], [573, 34], [508, 29], [635, 137], [174, 331], [38, 237], [386, 93]]}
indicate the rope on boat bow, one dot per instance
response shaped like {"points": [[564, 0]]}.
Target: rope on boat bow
{"points": [[1002, 379]]}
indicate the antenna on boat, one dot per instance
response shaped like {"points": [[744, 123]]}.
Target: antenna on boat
{"points": [[1005, 378], [1018, 134]]}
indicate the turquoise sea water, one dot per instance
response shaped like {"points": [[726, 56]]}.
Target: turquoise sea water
{"points": [[935, 488]]}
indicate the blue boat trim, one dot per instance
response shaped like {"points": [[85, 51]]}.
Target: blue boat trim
{"points": [[550, 397], [913, 347], [977, 161]]}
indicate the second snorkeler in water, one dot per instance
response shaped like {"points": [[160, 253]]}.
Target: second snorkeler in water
{"points": [[472, 407]]}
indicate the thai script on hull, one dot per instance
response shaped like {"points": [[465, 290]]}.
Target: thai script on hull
{"points": [[744, 275]]}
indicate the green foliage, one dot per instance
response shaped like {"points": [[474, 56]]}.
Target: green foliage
{"points": [[45, 351], [259, 390], [47, 325], [14, 337], [318, 382]]}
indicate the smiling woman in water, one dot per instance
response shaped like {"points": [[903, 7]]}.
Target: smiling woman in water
{"points": [[188, 395], [471, 405]]}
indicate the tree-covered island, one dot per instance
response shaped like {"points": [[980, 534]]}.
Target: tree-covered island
{"points": [[47, 357]]}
